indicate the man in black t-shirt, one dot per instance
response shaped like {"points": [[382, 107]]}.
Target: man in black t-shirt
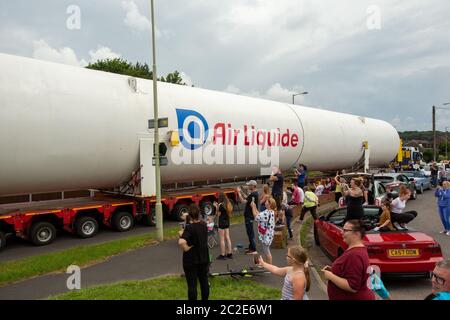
{"points": [[434, 174], [277, 189], [248, 213]]}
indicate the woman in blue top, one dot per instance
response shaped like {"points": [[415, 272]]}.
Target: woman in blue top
{"points": [[443, 195]]}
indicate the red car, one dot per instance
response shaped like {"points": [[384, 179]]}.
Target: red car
{"points": [[396, 253]]}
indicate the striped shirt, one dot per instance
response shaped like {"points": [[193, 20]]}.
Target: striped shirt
{"points": [[287, 293]]}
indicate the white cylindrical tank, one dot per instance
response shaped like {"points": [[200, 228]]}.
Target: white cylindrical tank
{"points": [[67, 128]]}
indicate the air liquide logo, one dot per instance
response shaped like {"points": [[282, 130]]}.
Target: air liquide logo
{"points": [[193, 128]]}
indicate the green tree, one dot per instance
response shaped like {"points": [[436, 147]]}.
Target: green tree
{"points": [[428, 155], [137, 70], [174, 77]]}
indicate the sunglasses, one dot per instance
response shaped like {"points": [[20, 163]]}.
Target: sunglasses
{"points": [[439, 279]]}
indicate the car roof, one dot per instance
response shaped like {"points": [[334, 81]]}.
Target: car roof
{"points": [[355, 174], [392, 175]]}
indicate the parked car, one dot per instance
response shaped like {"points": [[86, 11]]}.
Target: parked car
{"points": [[396, 253], [393, 181], [377, 191], [422, 182], [426, 170]]}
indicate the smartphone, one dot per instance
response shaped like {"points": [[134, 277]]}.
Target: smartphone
{"points": [[256, 259]]}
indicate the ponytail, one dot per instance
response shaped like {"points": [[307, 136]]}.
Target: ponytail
{"points": [[307, 276]]}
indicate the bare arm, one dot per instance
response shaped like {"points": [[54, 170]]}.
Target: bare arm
{"points": [[239, 192], [273, 269], [298, 283], [183, 245], [273, 178], [385, 224]]}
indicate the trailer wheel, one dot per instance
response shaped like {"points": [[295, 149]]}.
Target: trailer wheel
{"points": [[207, 208], [42, 233], [123, 221], [86, 227], [2, 240], [150, 219], [179, 210]]}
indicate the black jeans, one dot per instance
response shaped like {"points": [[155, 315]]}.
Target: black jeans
{"points": [[305, 210], [288, 221], [337, 196], [194, 272], [405, 217], [250, 234]]}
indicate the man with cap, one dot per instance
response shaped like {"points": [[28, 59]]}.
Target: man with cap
{"points": [[248, 213]]}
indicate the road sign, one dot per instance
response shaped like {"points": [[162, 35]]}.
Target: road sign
{"points": [[163, 161], [162, 123]]}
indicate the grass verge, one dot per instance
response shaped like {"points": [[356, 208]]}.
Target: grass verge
{"points": [[21, 269], [173, 288]]}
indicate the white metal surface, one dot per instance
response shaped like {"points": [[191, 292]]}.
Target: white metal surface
{"points": [[69, 128]]}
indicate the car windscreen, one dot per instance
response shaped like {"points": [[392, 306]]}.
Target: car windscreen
{"points": [[409, 175], [338, 216]]}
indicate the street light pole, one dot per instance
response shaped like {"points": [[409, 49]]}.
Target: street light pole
{"points": [[297, 94], [434, 133], [446, 143], [158, 205]]}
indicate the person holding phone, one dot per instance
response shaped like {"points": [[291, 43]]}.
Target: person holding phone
{"points": [[194, 243], [347, 277], [248, 213], [266, 225], [443, 195], [296, 275]]}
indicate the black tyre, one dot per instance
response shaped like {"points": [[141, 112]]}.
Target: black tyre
{"points": [[42, 233], [86, 227], [150, 219], [207, 208], [123, 221], [178, 211], [316, 236], [2, 240]]}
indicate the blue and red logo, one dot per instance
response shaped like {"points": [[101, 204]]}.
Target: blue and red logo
{"points": [[192, 128]]}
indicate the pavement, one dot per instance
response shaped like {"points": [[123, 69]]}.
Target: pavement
{"points": [[162, 259]]}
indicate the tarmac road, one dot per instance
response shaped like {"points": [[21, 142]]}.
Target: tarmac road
{"points": [[428, 222]]}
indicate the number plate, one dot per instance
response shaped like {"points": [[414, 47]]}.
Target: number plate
{"points": [[403, 253]]}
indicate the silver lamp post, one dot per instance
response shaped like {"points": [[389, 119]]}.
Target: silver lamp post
{"points": [[297, 94], [158, 205]]}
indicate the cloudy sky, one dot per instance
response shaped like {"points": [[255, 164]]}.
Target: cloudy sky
{"points": [[387, 59]]}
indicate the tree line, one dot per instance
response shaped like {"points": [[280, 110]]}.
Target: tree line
{"points": [[138, 70]]}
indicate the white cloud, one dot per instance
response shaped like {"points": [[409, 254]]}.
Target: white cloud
{"points": [[134, 19], [275, 92], [186, 79], [43, 51], [103, 53]]}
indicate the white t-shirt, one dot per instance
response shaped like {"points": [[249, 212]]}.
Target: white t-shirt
{"points": [[302, 194], [398, 206], [319, 190]]}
